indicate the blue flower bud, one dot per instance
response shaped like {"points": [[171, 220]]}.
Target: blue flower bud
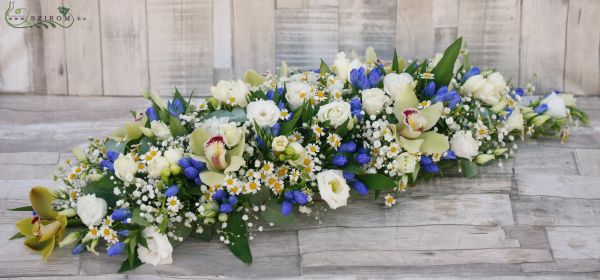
{"points": [[200, 166], [374, 77], [349, 177], [349, 147], [185, 162], [280, 90], [260, 142], [362, 151], [112, 155], [191, 173], [175, 108], [288, 195], [172, 191], [152, 116], [359, 187], [355, 104], [474, 71], [198, 181], [358, 114], [116, 249], [362, 159], [107, 164], [449, 155], [78, 249], [428, 165], [286, 208], [541, 108], [124, 232], [339, 160], [519, 91], [429, 90], [120, 214], [270, 94], [226, 208], [275, 129], [233, 200], [218, 195], [300, 197]]}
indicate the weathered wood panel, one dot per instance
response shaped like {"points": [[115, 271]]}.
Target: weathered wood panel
{"points": [[83, 49], [53, 40], [414, 34], [563, 265], [569, 186], [445, 23], [180, 45], [588, 161], [543, 36], [14, 59], [546, 160], [222, 40], [303, 36], [491, 32], [540, 210], [124, 47], [582, 66], [253, 36], [457, 185], [574, 242], [33, 158], [367, 23]]}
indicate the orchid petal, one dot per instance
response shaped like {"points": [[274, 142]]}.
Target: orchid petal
{"points": [[253, 78], [211, 178], [234, 164], [406, 100], [411, 145], [41, 201], [198, 139], [434, 143], [432, 114]]}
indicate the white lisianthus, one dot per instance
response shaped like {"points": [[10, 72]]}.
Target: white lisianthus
{"points": [[297, 93], [405, 163], [231, 92], [298, 149], [568, 98], [556, 105], [214, 125], [341, 64], [173, 155], [91, 209], [156, 165], [280, 143], [464, 145], [397, 85], [333, 188], [488, 94], [232, 135], [474, 83], [497, 80], [336, 113], [159, 250], [515, 121], [125, 167], [264, 112], [373, 100], [160, 130]]}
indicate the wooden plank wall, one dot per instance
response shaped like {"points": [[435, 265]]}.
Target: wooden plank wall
{"points": [[125, 46]]}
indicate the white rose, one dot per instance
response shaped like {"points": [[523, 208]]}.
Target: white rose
{"points": [[556, 106], [405, 163], [280, 143], [568, 98], [91, 209], [160, 130], [464, 145], [397, 85], [125, 167], [214, 125], [333, 188], [336, 113], [497, 80], [156, 165], [297, 93], [341, 64], [231, 134], [474, 83], [173, 155], [298, 148], [515, 121], [373, 100], [488, 94], [159, 249], [228, 91], [264, 112]]}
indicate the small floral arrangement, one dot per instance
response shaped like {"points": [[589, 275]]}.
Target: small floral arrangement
{"points": [[260, 151]]}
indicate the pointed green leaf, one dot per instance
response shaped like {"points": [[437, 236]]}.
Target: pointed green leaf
{"points": [[287, 127], [238, 237], [443, 71], [377, 181], [103, 188], [324, 68], [137, 219], [469, 168], [395, 63], [24, 208]]}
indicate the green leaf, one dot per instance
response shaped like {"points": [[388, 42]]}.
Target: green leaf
{"points": [[260, 196], [180, 230], [103, 188], [287, 127], [144, 145], [273, 214], [395, 63], [24, 208], [17, 236], [443, 71], [178, 95], [126, 264], [238, 237], [235, 115], [342, 130], [205, 236], [377, 181], [137, 219], [324, 68], [112, 145], [469, 168], [177, 129]]}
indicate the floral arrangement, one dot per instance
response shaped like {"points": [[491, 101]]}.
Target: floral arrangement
{"points": [[259, 151]]}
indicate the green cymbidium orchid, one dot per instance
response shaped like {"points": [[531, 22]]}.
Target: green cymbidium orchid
{"points": [[212, 151], [412, 131], [133, 129], [44, 230]]}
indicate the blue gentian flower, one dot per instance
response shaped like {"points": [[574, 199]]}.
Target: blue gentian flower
{"points": [[270, 94], [172, 191], [429, 90], [359, 187], [232, 200], [348, 147], [357, 114], [218, 195], [519, 91], [112, 155], [198, 181], [275, 129], [152, 116], [374, 77], [474, 71], [449, 155], [288, 195], [175, 107], [185, 162], [349, 177], [428, 165], [201, 166], [226, 208], [362, 159], [107, 164], [452, 98], [260, 142], [299, 197], [359, 79], [281, 105], [280, 90], [120, 214], [123, 232], [191, 173], [355, 104], [78, 249], [116, 249], [339, 160], [541, 108], [286, 207]]}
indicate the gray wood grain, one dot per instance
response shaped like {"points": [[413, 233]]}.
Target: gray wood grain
{"points": [[414, 35], [486, 183], [546, 160], [563, 265], [575, 242], [53, 40], [569, 186], [589, 162], [253, 36], [539, 210]]}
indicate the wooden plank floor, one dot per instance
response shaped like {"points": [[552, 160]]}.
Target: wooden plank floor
{"points": [[538, 217]]}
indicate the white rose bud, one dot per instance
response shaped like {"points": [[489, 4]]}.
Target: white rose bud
{"points": [[297, 93], [173, 155], [280, 143], [333, 188], [405, 163], [341, 64], [373, 100], [231, 92], [474, 83], [557, 107], [160, 130], [91, 209], [336, 113], [484, 158], [515, 121], [156, 165], [125, 167], [464, 145], [397, 85], [231, 134], [568, 98], [263, 112], [488, 94]]}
